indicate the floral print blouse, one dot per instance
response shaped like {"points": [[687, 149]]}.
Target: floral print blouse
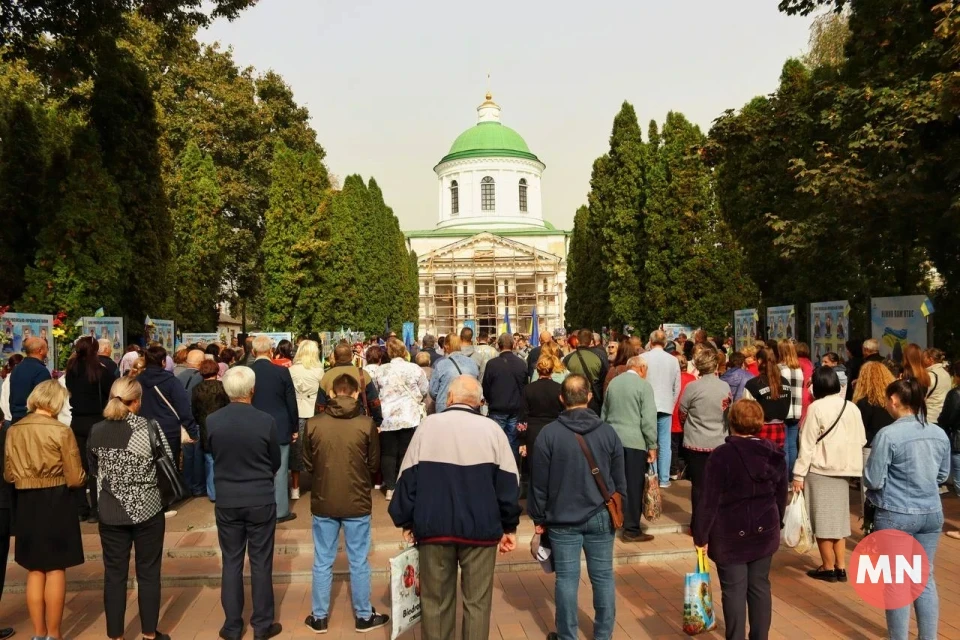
{"points": [[403, 387]]}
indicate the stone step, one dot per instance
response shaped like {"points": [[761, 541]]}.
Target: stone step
{"points": [[200, 566]]}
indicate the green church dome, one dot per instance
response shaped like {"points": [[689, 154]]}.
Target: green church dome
{"points": [[489, 139]]}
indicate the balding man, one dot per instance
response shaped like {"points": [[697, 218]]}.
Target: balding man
{"points": [[458, 466], [105, 354], [566, 500], [629, 407], [663, 374], [194, 461], [277, 396], [28, 374]]}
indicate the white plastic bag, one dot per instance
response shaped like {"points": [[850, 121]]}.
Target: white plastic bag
{"points": [[405, 591], [797, 532]]}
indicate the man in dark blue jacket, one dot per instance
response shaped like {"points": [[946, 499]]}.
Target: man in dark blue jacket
{"points": [[566, 502], [165, 400], [28, 374], [246, 457], [504, 379], [276, 395]]}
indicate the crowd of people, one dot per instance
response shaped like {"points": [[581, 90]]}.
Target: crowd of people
{"points": [[455, 432]]}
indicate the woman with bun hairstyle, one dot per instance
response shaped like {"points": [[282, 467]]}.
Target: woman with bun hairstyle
{"points": [[908, 462]]}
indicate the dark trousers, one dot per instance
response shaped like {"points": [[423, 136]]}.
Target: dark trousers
{"points": [[438, 583], [81, 494], [252, 529], [4, 543], [676, 459], [635, 468], [745, 589], [696, 465], [393, 447], [147, 540]]}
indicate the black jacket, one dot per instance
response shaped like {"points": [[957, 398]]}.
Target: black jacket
{"points": [[504, 379], [541, 406], [564, 491], [246, 455], [950, 416], [111, 366], [153, 407], [274, 393], [532, 358]]}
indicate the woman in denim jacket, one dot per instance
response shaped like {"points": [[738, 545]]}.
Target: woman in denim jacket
{"points": [[909, 461]]}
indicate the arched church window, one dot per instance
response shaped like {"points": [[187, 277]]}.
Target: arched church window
{"points": [[523, 194], [488, 194], [454, 198]]}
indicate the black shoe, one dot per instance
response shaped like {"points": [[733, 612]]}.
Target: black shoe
{"points": [[287, 518], [317, 625], [93, 518], [636, 537], [375, 621], [552, 636], [6, 633], [273, 630], [827, 575], [160, 636], [841, 575]]}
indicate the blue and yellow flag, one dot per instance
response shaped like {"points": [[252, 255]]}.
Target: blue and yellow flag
{"points": [[927, 307], [99, 313]]}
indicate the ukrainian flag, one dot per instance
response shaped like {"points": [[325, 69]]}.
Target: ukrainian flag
{"points": [[927, 307]]}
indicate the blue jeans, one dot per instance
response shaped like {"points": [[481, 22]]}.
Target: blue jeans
{"points": [[595, 537], [508, 422], [211, 492], [193, 471], [955, 471], [356, 536], [926, 528], [281, 482], [664, 442], [793, 439]]}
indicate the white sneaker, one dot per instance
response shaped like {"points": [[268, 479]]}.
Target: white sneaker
{"points": [[295, 494], [389, 495], [170, 514], [377, 487]]}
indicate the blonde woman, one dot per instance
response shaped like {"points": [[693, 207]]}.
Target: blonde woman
{"points": [[870, 396], [43, 462], [791, 371], [306, 371], [131, 509], [559, 372]]}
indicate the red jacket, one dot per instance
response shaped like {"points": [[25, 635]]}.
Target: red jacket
{"points": [[685, 379]]}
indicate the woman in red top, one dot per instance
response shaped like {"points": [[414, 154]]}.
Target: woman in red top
{"points": [[283, 355], [676, 429]]}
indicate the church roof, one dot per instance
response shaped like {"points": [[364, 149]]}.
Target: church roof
{"points": [[489, 139]]}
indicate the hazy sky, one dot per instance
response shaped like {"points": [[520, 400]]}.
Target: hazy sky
{"points": [[390, 85]]}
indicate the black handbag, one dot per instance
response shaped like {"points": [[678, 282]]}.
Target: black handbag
{"points": [[169, 481]]}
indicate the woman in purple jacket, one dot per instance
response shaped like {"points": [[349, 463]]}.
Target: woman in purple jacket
{"points": [[746, 480]]}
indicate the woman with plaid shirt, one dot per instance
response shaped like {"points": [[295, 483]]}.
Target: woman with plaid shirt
{"points": [[792, 372], [772, 391]]}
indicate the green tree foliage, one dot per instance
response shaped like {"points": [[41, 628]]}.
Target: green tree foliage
{"points": [[586, 280], [23, 205], [291, 244], [198, 232], [853, 161], [124, 114], [82, 261]]}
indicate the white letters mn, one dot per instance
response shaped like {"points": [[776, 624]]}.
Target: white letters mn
{"points": [[880, 572]]}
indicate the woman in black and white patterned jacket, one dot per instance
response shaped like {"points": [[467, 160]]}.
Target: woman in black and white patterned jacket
{"points": [[131, 510]]}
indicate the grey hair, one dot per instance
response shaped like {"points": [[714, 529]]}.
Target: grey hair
{"points": [[465, 390], [505, 341], [262, 344], [871, 345], [706, 361], [658, 337], [636, 361], [238, 382], [104, 345]]}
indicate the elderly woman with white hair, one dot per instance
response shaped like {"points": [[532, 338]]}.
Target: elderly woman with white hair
{"points": [[631, 409], [246, 456], [702, 408], [43, 462]]}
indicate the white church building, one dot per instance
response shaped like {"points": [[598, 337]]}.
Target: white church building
{"points": [[491, 254]]}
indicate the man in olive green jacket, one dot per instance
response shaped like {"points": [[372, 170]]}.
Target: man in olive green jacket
{"points": [[631, 409], [341, 452]]}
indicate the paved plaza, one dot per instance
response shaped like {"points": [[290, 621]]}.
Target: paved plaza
{"points": [[649, 585]]}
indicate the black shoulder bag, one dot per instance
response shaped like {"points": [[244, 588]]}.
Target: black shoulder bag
{"points": [[169, 482]]}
